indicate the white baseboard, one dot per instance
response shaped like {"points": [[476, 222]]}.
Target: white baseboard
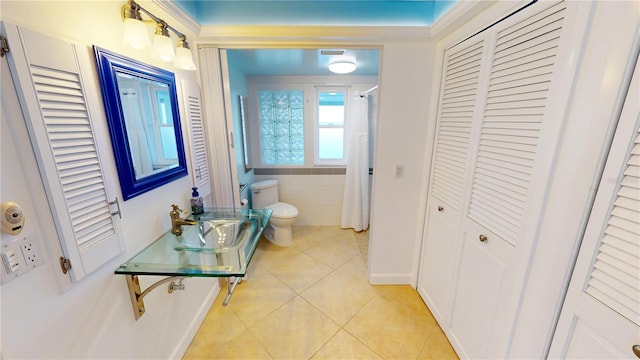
{"points": [[390, 279], [185, 341]]}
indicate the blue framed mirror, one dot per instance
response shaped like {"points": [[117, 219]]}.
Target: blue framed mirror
{"points": [[144, 123]]}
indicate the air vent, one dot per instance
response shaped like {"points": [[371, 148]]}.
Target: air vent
{"points": [[332, 52]]}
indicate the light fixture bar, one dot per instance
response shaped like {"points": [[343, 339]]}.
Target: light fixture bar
{"points": [[184, 59], [135, 5]]}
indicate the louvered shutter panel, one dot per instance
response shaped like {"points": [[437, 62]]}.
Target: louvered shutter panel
{"points": [[458, 97], [196, 124], [519, 82], [615, 276], [54, 101]]}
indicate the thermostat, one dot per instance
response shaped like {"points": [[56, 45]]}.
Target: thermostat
{"points": [[12, 218]]}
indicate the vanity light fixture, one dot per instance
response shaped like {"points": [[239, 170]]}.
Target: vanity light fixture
{"points": [[342, 67], [135, 34], [162, 44]]}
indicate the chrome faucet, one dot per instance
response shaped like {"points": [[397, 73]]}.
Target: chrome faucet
{"points": [[177, 221]]}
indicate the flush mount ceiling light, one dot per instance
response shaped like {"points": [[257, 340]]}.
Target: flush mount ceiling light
{"points": [[135, 34], [342, 67]]}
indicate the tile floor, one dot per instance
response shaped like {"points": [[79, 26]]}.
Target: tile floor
{"points": [[313, 301]]}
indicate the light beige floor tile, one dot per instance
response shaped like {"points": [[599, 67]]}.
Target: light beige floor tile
{"points": [[340, 296], [293, 305], [346, 237], [297, 330], [390, 329], [305, 237], [437, 347], [333, 252], [226, 326], [244, 346], [343, 346], [355, 267], [408, 297], [269, 256], [257, 297], [300, 272]]}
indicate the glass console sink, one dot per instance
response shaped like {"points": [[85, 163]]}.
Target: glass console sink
{"points": [[220, 245]]}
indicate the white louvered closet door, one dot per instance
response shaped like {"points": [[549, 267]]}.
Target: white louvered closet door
{"points": [[51, 75], [219, 126], [508, 175], [601, 315], [192, 102], [458, 99]]}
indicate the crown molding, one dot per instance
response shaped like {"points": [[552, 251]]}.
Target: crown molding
{"points": [[237, 34], [174, 11]]}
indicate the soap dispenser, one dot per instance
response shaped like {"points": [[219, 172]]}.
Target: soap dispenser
{"points": [[197, 207]]}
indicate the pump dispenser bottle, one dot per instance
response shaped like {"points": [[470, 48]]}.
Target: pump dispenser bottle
{"points": [[197, 207]]}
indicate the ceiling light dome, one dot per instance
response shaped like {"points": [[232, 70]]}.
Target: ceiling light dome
{"points": [[342, 67]]}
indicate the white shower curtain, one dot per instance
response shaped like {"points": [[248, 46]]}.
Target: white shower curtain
{"points": [[355, 202]]}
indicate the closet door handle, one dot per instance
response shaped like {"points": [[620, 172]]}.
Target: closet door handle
{"points": [[636, 350], [482, 238], [440, 209]]}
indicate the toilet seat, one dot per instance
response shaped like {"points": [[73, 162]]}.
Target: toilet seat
{"points": [[283, 210]]}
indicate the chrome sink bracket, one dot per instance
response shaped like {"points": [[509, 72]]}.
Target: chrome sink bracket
{"points": [[137, 295], [230, 289]]}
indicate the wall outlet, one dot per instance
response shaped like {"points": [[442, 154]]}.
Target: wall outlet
{"points": [[19, 255], [30, 252]]}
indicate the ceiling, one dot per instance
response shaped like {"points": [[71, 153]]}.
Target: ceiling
{"points": [[314, 12], [300, 61], [421, 13]]}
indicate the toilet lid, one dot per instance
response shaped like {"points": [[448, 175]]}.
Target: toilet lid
{"points": [[283, 210]]}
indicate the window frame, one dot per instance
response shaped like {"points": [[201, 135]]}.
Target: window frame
{"points": [[316, 125], [309, 85]]}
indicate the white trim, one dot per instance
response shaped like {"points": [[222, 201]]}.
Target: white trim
{"points": [[457, 16], [176, 12], [390, 279], [310, 36]]}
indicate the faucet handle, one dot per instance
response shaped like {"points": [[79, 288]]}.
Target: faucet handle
{"points": [[176, 208]]}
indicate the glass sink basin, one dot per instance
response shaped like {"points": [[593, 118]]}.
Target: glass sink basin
{"points": [[223, 248], [218, 236]]}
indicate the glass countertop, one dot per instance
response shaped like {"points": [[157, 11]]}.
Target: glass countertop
{"points": [[221, 244]]}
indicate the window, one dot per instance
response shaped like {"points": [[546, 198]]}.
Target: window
{"points": [[281, 127], [330, 132]]}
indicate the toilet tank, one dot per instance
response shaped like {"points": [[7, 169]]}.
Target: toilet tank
{"points": [[264, 193]]}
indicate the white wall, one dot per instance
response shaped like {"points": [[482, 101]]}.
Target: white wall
{"points": [[318, 198], [44, 315], [402, 139]]}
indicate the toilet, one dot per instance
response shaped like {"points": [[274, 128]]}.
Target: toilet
{"points": [[265, 196]]}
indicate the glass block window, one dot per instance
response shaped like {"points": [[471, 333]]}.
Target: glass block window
{"points": [[282, 127]]}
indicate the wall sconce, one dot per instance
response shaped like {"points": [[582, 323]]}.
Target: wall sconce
{"points": [[135, 34], [342, 67]]}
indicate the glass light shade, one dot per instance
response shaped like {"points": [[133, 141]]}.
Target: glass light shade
{"points": [[342, 67], [135, 34], [184, 59], [163, 47]]}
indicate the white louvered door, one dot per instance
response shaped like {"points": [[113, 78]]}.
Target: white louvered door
{"points": [[489, 174], [50, 75], [501, 195], [198, 140], [601, 315], [448, 181]]}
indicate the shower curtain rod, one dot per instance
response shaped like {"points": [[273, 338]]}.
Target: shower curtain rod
{"points": [[362, 94]]}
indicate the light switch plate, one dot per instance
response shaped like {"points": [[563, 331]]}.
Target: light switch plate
{"points": [[11, 260]]}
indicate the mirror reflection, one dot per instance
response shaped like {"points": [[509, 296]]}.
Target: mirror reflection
{"points": [[149, 124], [141, 104]]}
